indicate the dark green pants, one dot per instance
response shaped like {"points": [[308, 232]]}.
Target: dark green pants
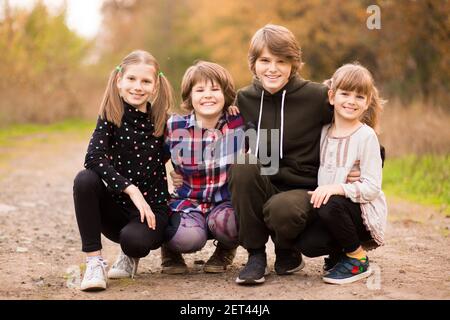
{"points": [[264, 210]]}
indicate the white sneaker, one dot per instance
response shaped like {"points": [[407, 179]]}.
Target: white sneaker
{"points": [[94, 278], [124, 267]]}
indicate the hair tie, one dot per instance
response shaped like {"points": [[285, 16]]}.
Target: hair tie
{"points": [[161, 74], [119, 68]]}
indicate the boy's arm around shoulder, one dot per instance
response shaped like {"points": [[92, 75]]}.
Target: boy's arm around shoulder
{"points": [[368, 187]]}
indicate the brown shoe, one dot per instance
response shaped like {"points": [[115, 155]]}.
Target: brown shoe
{"points": [[172, 262], [220, 259]]}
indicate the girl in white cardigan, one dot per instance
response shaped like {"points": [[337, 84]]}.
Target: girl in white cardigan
{"points": [[352, 214]]}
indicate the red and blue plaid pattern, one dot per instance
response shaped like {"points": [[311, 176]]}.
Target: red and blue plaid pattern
{"points": [[202, 157]]}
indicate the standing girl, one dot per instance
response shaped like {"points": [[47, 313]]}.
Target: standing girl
{"points": [[350, 215], [202, 147], [122, 193]]}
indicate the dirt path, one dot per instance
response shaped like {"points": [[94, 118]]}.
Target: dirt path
{"points": [[40, 254]]}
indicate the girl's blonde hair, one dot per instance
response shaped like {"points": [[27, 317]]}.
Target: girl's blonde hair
{"points": [[112, 107], [203, 71], [355, 77], [280, 42]]}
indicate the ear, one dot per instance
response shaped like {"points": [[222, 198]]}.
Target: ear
{"points": [[118, 84], [331, 97]]}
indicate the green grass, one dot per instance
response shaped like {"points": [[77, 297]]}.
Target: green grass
{"points": [[421, 179], [11, 134], [21, 139]]}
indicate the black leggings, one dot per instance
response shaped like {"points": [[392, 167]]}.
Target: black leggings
{"points": [[335, 227], [97, 213]]}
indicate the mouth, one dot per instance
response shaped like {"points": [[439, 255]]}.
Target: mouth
{"points": [[137, 95], [272, 77], [208, 104], [350, 109]]}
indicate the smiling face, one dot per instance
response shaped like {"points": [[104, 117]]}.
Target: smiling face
{"points": [[348, 105], [137, 84], [273, 71], [207, 99]]}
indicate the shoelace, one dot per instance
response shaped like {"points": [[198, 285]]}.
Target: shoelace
{"points": [[95, 269]]}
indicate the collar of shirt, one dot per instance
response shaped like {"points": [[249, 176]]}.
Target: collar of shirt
{"points": [[192, 122], [134, 113]]}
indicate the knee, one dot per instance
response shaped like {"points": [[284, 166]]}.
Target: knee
{"points": [[188, 240], [278, 210], [328, 211], [86, 180], [223, 226], [136, 243]]}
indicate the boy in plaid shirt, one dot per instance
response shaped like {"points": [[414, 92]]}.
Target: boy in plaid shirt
{"points": [[203, 145]]}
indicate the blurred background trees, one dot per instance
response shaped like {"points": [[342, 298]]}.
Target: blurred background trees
{"points": [[50, 73]]}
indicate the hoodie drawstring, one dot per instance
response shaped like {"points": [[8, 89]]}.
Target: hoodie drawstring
{"points": [[281, 126], [259, 123]]}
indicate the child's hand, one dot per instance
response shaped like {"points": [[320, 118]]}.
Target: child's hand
{"points": [[142, 205], [233, 110], [177, 179], [323, 193], [355, 174]]}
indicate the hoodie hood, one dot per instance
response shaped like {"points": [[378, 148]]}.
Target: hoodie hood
{"points": [[294, 84]]}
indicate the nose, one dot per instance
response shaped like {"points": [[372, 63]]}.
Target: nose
{"points": [[138, 86], [272, 66], [351, 99], [207, 94]]}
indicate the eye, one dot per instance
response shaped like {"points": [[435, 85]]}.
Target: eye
{"points": [[148, 81], [130, 78], [361, 97]]}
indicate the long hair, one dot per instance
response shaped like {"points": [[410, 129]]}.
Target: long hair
{"points": [[111, 107], [355, 77]]}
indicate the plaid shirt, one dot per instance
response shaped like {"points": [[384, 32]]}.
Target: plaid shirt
{"points": [[202, 157]]}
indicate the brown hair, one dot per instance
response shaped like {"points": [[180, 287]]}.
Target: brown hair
{"points": [[111, 107], [355, 77], [207, 71], [280, 42]]}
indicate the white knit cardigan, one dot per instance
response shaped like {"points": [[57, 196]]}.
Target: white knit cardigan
{"points": [[359, 149]]}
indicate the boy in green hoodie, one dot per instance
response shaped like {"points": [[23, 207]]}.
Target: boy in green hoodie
{"points": [[293, 110]]}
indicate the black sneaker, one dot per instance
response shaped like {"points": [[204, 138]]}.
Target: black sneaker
{"points": [[288, 261], [254, 271]]}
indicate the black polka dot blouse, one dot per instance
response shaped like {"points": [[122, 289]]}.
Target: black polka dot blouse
{"points": [[129, 155]]}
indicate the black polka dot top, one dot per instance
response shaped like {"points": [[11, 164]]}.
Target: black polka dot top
{"points": [[129, 155]]}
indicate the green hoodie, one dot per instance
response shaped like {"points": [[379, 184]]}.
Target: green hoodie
{"points": [[306, 109]]}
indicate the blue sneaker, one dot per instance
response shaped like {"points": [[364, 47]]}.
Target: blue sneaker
{"points": [[348, 270], [331, 261]]}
